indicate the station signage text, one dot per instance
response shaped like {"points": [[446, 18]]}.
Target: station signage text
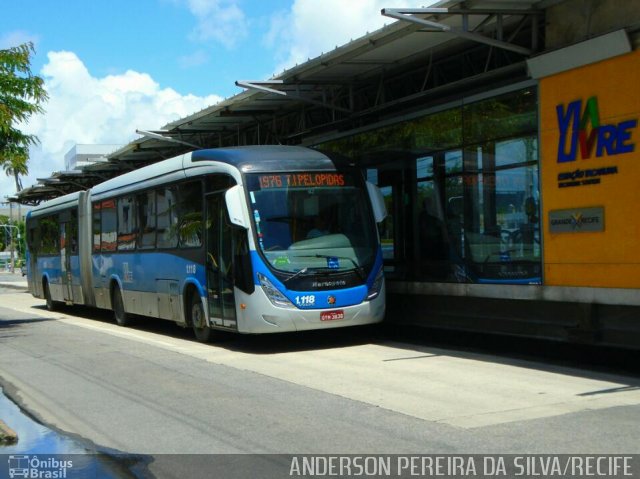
{"points": [[302, 179]]}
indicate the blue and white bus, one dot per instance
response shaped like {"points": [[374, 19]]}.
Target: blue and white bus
{"points": [[254, 239]]}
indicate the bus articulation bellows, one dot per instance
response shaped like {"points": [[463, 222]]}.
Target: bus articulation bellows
{"points": [[255, 239]]}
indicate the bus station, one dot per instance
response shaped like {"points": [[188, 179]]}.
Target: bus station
{"points": [[503, 139]]}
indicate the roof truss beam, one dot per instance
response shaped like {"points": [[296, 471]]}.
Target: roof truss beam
{"points": [[157, 135], [268, 87], [412, 15]]}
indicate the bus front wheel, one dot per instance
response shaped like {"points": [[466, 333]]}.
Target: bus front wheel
{"points": [[120, 315], [201, 329]]}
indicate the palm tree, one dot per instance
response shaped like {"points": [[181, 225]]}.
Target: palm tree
{"points": [[21, 95], [14, 163]]}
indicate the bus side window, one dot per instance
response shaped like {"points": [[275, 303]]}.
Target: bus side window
{"points": [[109, 224], [219, 182], [190, 214], [96, 227], [166, 199], [74, 232], [147, 220], [127, 223], [50, 235], [33, 237], [243, 271]]}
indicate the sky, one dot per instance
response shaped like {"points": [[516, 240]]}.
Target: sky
{"points": [[113, 66]]}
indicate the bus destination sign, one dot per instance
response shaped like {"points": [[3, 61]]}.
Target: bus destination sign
{"points": [[301, 179]]}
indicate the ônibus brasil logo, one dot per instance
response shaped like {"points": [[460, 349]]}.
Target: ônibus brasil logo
{"points": [[574, 123], [35, 467]]}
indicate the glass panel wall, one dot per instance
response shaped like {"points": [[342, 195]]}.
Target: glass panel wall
{"points": [[470, 195]]}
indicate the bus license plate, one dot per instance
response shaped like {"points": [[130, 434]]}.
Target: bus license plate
{"points": [[331, 315]]}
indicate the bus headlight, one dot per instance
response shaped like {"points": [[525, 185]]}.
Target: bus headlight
{"points": [[374, 291], [275, 296]]}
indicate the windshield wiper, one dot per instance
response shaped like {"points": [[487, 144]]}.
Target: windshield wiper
{"points": [[299, 273], [357, 268]]}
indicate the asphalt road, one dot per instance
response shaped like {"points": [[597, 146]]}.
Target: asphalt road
{"points": [[152, 390]]}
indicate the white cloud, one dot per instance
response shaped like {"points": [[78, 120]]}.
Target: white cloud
{"points": [[88, 110], [220, 20], [17, 37], [311, 28]]}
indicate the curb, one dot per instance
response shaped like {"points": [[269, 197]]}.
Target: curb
{"points": [[7, 435], [9, 284]]}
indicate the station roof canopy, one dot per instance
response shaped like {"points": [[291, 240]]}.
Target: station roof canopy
{"points": [[425, 55]]}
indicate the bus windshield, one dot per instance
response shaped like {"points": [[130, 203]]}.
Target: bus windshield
{"points": [[313, 221]]}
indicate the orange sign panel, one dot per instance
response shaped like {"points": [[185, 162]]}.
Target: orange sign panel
{"points": [[590, 158]]}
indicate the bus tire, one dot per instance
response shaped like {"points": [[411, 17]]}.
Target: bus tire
{"points": [[117, 304], [51, 304], [201, 330]]}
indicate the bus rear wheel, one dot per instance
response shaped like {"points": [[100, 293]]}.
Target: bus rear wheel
{"points": [[201, 329], [51, 304], [120, 315]]}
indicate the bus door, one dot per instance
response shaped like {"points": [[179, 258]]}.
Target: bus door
{"points": [[220, 268], [65, 260], [391, 179], [33, 242]]}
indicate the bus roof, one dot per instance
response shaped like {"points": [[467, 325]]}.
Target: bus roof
{"points": [[233, 161], [56, 204], [267, 158], [156, 173]]}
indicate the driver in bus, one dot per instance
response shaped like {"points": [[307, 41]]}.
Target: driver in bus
{"points": [[319, 228]]}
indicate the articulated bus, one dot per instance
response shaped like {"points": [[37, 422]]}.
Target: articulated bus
{"points": [[252, 239]]}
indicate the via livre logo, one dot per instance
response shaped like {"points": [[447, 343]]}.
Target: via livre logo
{"points": [[574, 123]]}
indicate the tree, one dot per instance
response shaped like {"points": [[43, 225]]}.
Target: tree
{"points": [[4, 220], [21, 95], [14, 163]]}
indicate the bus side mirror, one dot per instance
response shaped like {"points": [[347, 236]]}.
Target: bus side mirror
{"points": [[377, 202], [237, 206]]}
